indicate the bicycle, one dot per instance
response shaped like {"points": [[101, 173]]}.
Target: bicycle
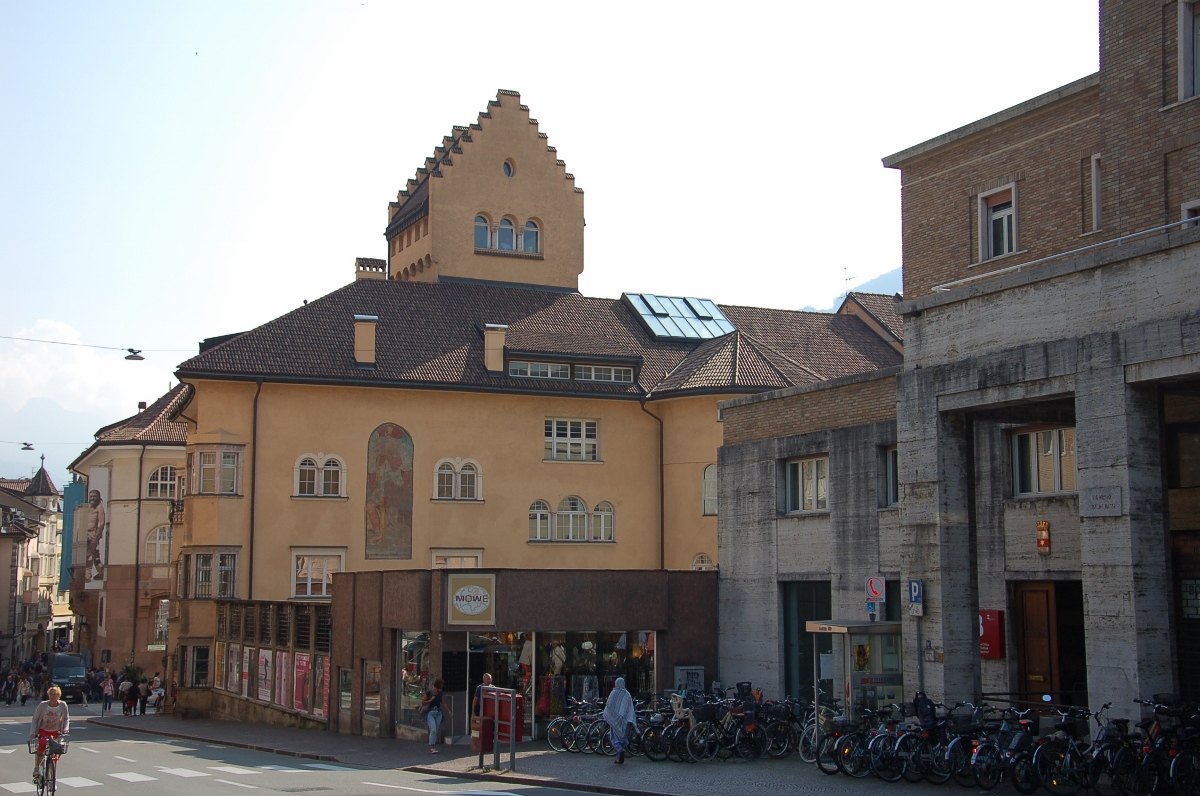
{"points": [[46, 779]]}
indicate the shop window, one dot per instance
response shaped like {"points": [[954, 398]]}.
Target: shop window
{"points": [[162, 483], [572, 440], [539, 521], [458, 479], [158, 545], [586, 665], [710, 490], [372, 684], [806, 484], [314, 570], [702, 562], [1043, 461], [570, 521], [414, 665], [602, 523], [889, 471]]}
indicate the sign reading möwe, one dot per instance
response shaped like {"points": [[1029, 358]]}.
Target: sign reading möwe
{"points": [[470, 599]]}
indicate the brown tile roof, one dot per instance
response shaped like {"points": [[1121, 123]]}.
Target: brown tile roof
{"points": [[883, 308], [18, 485], [155, 423], [430, 335], [41, 485]]}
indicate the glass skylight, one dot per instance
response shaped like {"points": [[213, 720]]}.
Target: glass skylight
{"points": [[674, 318]]}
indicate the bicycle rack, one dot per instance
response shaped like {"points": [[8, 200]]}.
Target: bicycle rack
{"points": [[498, 697]]}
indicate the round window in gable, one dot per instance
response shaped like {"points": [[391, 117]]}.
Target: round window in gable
{"points": [[509, 168]]}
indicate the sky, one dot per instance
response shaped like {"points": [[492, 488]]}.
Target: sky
{"points": [[175, 171]]}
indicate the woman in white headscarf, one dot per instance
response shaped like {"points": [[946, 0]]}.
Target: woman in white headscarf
{"points": [[619, 714]]}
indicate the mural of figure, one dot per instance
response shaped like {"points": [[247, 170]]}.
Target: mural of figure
{"points": [[96, 522], [389, 502]]}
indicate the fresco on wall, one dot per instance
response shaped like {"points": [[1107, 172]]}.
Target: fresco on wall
{"points": [[389, 493]]}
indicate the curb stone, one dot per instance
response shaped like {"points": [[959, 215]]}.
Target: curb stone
{"points": [[518, 779], [235, 744]]}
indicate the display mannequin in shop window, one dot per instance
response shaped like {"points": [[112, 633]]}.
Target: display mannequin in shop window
{"points": [[558, 657], [526, 661]]}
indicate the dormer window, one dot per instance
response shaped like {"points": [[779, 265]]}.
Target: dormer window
{"points": [[539, 370], [603, 373]]}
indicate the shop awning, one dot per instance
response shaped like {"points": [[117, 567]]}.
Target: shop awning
{"points": [[853, 627]]}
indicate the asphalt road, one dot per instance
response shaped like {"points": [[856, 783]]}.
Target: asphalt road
{"points": [[104, 761]]}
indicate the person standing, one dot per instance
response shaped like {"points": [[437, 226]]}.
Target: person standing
{"points": [[50, 720], [143, 695], [477, 700], [123, 691], [434, 710], [107, 688], [25, 690], [618, 715], [9, 689]]}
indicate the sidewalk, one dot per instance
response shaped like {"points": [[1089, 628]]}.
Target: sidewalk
{"points": [[536, 763]]}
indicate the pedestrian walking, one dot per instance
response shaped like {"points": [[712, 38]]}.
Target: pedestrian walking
{"points": [[433, 709], [618, 715], [24, 690], [107, 688]]}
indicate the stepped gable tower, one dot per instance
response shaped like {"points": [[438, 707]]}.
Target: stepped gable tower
{"points": [[492, 204]]}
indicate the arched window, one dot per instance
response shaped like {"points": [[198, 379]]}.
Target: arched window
{"points": [[530, 243], [162, 483], [703, 563], [331, 478], [466, 482], [602, 523], [539, 520], [445, 481], [306, 479], [506, 236], [570, 523], [482, 238], [158, 545], [710, 490]]}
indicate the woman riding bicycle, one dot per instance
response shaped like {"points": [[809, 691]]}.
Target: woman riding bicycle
{"points": [[50, 720]]}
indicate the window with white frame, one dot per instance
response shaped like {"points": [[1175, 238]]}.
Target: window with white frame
{"points": [[457, 559], [1190, 210], [889, 470], [319, 475], [539, 521], [219, 471], [1043, 461], [161, 615], [162, 483], [531, 240], [204, 573], [1189, 49], [539, 370], [483, 235], [506, 236], [569, 439], [702, 562], [710, 490], [602, 522], [158, 545], [603, 373], [998, 222], [807, 484], [226, 574], [458, 479], [570, 521], [313, 570]]}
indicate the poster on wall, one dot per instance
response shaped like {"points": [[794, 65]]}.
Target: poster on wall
{"points": [[247, 662], [219, 679], [97, 527], [266, 675], [233, 670], [283, 679], [302, 683], [320, 686], [389, 503]]}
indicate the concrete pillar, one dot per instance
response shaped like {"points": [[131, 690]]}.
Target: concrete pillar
{"points": [[936, 538], [1126, 575]]}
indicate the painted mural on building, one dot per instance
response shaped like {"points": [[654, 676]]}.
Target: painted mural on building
{"points": [[389, 503]]}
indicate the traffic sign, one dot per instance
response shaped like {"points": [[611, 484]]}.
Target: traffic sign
{"points": [[876, 589], [916, 592]]}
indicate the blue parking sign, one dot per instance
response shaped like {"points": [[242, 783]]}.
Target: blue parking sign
{"points": [[915, 592]]}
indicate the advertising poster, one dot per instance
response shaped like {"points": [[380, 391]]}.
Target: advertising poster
{"points": [[321, 686], [302, 683], [266, 675], [219, 679], [283, 678], [247, 662], [97, 527], [233, 670]]}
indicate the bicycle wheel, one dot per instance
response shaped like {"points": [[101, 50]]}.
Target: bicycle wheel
{"points": [[852, 753], [779, 739], [594, 734], [827, 759], [881, 756], [1184, 770], [676, 739], [806, 747], [605, 746], [958, 758], [51, 774], [1127, 772], [633, 741], [574, 737], [987, 766], [653, 744], [1102, 773], [934, 763], [554, 734], [908, 757], [40, 781], [1056, 770], [1022, 773], [750, 744], [703, 741]]}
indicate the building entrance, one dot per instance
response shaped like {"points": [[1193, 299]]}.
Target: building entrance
{"points": [[1051, 654], [805, 602]]}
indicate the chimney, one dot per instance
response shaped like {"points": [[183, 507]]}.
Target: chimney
{"points": [[364, 340], [369, 268], [141, 406], [493, 347]]}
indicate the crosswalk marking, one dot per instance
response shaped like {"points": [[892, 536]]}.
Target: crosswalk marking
{"points": [[84, 748], [7, 751], [283, 769], [20, 787], [131, 776], [327, 767], [126, 759], [444, 792], [77, 782], [233, 770], [181, 772], [239, 784]]}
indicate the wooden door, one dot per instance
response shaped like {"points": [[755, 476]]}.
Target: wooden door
{"points": [[1037, 640]]}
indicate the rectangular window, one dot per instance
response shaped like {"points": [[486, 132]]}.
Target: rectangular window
{"points": [[160, 622], [1044, 461], [229, 473], [226, 563], [539, 370], [313, 573], [204, 576], [456, 562], [181, 578], [572, 440], [208, 473], [603, 373], [807, 484], [200, 667], [998, 222], [1096, 217], [890, 472]]}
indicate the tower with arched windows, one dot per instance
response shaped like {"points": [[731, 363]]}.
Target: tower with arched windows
{"points": [[492, 204]]}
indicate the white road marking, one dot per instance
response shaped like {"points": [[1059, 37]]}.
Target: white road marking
{"points": [[283, 769], [130, 740], [234, 770], [327, 767], [77, 782], [20, 787], [131, 776], [126, 759], [7, 751], [239, 784], [181, 772], [214, 746], [84, 748], [444, 792]]}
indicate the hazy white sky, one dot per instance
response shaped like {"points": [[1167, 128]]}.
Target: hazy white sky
{"points": [[172, 171]]}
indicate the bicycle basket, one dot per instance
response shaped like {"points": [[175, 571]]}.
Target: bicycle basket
{"points": [[842, 723], [1021, 742], [33, 745], [56, 747], [704, 713]]}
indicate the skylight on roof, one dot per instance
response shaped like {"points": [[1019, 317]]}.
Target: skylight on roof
{"points": [[674, 318]]}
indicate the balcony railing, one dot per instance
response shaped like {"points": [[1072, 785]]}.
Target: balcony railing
{"points": [[176, 512]]}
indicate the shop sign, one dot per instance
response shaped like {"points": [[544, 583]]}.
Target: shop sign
{"points": [[991, 634], [471, 599]]}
